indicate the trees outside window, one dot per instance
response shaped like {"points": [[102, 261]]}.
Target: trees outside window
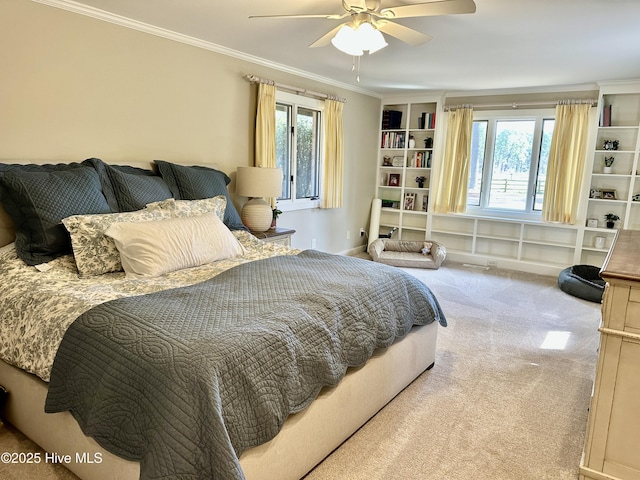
{"points": [[509, 154], [298, 149]]}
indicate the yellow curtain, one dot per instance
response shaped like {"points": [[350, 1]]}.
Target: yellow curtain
{"points": [[453, 182], [265, 154], [265, 143], [566, 163], [333, 155]]}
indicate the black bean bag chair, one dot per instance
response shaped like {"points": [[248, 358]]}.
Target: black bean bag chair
{"points": [[582, 281]]}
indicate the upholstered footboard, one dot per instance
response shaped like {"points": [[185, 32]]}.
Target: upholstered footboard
{"points": [[305, 440]]}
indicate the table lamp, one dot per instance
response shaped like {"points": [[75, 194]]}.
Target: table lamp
{"points": [[257, 183]]}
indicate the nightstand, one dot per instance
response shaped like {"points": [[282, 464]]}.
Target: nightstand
{"points": [[278, 235]]}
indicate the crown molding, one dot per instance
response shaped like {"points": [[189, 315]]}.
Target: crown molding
{"points": [[102, 15]]}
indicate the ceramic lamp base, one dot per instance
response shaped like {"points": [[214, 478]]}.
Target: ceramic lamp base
{"points": [[257, 215]]}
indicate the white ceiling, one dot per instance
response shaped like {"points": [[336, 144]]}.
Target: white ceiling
{"points": [[506, 44]]}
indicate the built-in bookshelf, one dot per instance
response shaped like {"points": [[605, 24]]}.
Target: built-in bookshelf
{"points": [[406, 155], [527, 245], [614, 190]]}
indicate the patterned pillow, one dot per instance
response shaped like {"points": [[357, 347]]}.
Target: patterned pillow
{"points": [[197, 182], [94, 252], [189, 208], [38, 197], [128, 189]]}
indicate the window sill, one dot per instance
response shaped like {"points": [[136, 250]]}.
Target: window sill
{"points": [[288, 206]]}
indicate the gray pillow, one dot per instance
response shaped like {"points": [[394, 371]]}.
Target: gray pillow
{"points": [[198, 182], [127, 188], [38, 197]]}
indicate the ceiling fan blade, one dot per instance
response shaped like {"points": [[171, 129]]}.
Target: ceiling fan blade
{"points": [[407, 35], [438, 7], [335, 16], [326, 38]]}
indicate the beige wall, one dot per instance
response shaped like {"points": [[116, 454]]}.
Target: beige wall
{"points": [[73, 87]]}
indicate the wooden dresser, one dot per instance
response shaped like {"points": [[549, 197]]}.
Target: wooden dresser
{"points": [[612, 444]]}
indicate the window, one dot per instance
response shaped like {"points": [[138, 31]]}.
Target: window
{"points": [[509, 156], [299, 149]]}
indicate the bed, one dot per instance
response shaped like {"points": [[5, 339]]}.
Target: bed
{"points": [[166, 341]]}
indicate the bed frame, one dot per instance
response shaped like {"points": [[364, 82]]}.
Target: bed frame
{"points": [[304, 441]]}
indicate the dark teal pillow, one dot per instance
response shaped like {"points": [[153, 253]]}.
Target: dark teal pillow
{"points": [[127, 188], [198, 182], [38, 197]]}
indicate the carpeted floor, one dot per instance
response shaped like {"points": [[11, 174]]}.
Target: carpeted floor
{"points": [[496, 406]]}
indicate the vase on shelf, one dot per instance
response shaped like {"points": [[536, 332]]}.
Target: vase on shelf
{"points": [[412, 142], [608, 164]]}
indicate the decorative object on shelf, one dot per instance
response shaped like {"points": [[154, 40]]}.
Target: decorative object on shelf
{"points": [[425, 202], [636, 197], [257, 183], [386, 161], [412, 142], [420, 181], [595, 193], [608, 164], [428, 142], [598, 241], [592, 222], [276, 212], [611, 219], [611, 144], [397, 161], [394, 180], [609, 194], [409, 200]]}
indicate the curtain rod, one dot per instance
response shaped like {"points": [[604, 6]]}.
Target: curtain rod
{"points": [[290, 89], [516, 105]]}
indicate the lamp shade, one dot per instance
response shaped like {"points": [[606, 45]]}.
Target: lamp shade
{"points": [[258, 182], [356, 39]]}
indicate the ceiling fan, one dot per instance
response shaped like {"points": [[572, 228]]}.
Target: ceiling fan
{"points": [[362, 31]]}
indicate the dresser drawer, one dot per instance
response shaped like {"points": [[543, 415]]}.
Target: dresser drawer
{"points": [[632, 320]]}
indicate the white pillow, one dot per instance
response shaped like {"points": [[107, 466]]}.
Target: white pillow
{"points": [[150, 249], [95, 253]]}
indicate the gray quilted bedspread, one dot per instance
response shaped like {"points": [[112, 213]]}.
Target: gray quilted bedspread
{"points": [[185, 380]]}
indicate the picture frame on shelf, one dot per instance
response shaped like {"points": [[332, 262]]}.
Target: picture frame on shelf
{"points": [[592, 222], [409, 200], [394, 179], [595, 193], [397, 161], [609, 194]]}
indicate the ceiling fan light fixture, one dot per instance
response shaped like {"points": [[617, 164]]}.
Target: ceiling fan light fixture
{"points": [[354, 40], [346, 40], [371, 39]]}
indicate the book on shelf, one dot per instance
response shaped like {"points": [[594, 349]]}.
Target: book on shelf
{"points": [[420, 159], [392, 140], [427, 121], [425, 202], [605, 116], [391, 119]]}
